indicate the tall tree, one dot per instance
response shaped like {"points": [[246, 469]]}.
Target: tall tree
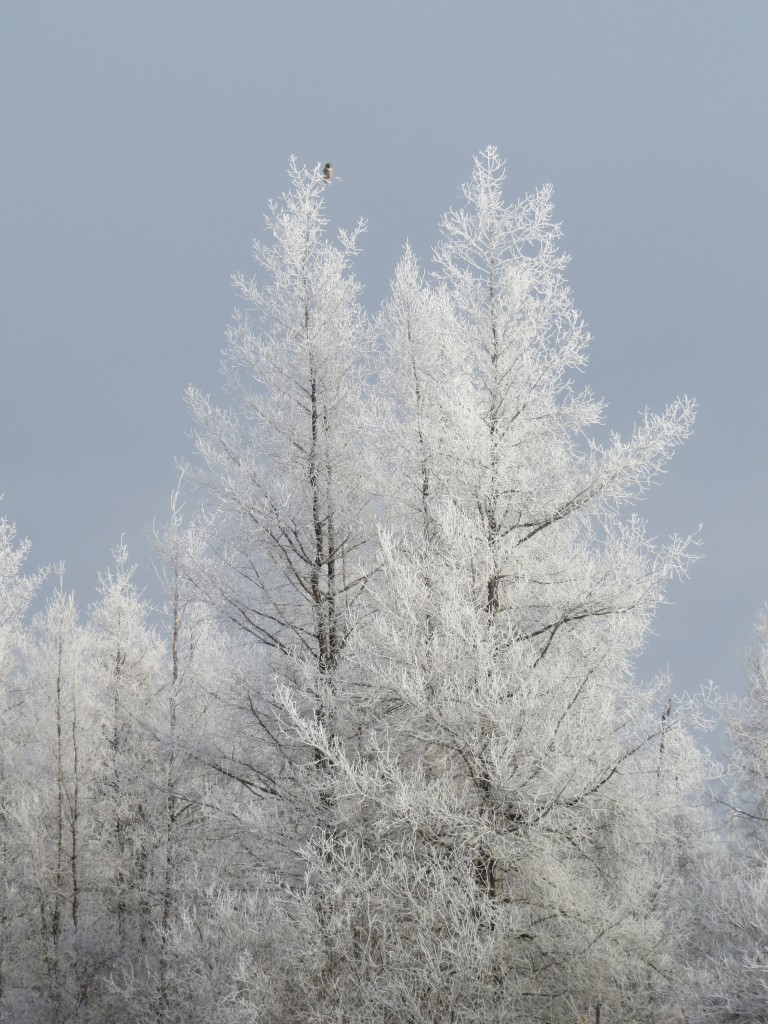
{"points": [[496, 760], [287, 507]]}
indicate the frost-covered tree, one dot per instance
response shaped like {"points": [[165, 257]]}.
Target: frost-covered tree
{"points": [[731, 892], [207, 916], [127, 660], [49, 815], [501, 829], [749, 742], [126, 793], [287, 498], [17, 591]]}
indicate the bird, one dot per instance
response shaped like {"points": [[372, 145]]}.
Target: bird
{"points": [[327, 173]]}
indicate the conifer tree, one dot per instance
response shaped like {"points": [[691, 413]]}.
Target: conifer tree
{"points": [[499, 852]]}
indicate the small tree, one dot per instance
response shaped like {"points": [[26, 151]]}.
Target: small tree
{"points": [[731, 891], [16, 593], [207, 912], [127, 792], [49, 815], [749, 743]]}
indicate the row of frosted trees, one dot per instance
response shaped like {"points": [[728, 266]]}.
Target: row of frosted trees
{"points": [[385, 758]]}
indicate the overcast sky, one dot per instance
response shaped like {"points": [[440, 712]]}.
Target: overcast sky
{"points": [[141, 142]]}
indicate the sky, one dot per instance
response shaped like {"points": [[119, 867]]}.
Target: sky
{"points": [[141, 143]]}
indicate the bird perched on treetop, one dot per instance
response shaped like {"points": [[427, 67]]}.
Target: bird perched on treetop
{"points": [[327, 173]]}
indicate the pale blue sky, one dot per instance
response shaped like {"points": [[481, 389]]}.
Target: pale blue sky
{"points": [[142, 140]]}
